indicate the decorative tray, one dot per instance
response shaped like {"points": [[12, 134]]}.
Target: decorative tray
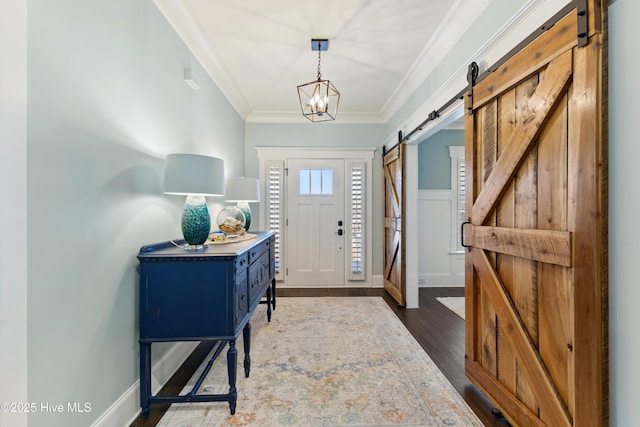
{"points": [[213, 240]]}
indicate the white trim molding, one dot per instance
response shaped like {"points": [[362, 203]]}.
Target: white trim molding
{"points": [[183, 23], [280, 155], [463, 13], [294, 117], [411, 218], [524, 23]]}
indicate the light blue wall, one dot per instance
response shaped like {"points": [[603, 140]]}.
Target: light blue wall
{"points": [[434, 162], [106, 103], [323, 135], [624, 206]]}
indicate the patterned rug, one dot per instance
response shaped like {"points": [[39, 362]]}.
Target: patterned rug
{"points": [[329, 362], [455, 304]]}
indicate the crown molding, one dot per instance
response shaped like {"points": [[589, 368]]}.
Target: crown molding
{"points": [[295, 117], [177, 15], [463, 13], [524, 23]]}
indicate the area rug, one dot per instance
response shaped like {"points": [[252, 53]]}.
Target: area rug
{"points": [[455, 304], [329, 362]]}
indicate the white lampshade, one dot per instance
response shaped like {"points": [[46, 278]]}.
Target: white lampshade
{"points": [[194, 174], [242, 190]]}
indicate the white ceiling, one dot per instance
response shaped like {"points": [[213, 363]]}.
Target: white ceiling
{"points": [[380, 51]]}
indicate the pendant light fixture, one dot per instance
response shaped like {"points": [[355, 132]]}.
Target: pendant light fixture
{"points": [[319, 98]]}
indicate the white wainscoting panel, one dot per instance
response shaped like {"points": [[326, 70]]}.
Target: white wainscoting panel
{"points": [[439, 263]]}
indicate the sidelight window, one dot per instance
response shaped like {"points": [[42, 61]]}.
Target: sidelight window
{"points": [[357, 214], [355, 178], [274, 207]]}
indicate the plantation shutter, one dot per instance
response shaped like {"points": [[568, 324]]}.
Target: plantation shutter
{"points": [[357, 215], [274, 182], [458, 184], [460, 199]]}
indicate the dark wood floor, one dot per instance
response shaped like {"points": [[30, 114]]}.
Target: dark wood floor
{"points": [[438, 330]]}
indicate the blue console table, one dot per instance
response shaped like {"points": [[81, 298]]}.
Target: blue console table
{"points": [[205, 295]]}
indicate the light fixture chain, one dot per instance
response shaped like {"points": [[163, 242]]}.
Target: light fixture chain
{"points": [[319, 75]]}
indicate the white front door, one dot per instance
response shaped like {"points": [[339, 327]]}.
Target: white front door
{"points": [[316, 222]]}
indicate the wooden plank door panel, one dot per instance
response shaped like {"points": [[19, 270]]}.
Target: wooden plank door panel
{"points": [[535, 286], [394, 260]]}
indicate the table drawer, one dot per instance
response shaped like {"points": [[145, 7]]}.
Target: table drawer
{"points": [[256, 252], [259, 278], [241, 296], [242, 262]]}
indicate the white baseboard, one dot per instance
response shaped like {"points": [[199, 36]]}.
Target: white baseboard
{"points": [[375, 282], [127, 408], [439, 280]]}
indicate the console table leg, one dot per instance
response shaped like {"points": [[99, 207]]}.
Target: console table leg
{"points": [[145, 378], [246, 338], [273, 292], [269, 304], [232, 361]]}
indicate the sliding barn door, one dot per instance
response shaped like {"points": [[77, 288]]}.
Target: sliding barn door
{"points": [[536, 292], [394, 262]]}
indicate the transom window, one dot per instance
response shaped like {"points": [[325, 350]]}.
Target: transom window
{"points": [[316, 181]]}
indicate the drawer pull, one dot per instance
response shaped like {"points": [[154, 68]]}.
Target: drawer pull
{"points": [[253, 284], [253, 254], [243, 261], [242, 296]]}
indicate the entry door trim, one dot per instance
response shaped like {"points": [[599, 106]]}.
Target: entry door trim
{"points": [[353, 154]]}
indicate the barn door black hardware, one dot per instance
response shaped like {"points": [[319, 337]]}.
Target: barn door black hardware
{"points": [[582, 9], [462, 236], [472, 75]]}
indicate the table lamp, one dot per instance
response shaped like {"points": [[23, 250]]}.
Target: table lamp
{"points": [[243, 190], [195, 176]]}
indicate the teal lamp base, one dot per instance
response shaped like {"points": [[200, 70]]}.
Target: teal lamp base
{"points": [[246, 210], [196, 222]]}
